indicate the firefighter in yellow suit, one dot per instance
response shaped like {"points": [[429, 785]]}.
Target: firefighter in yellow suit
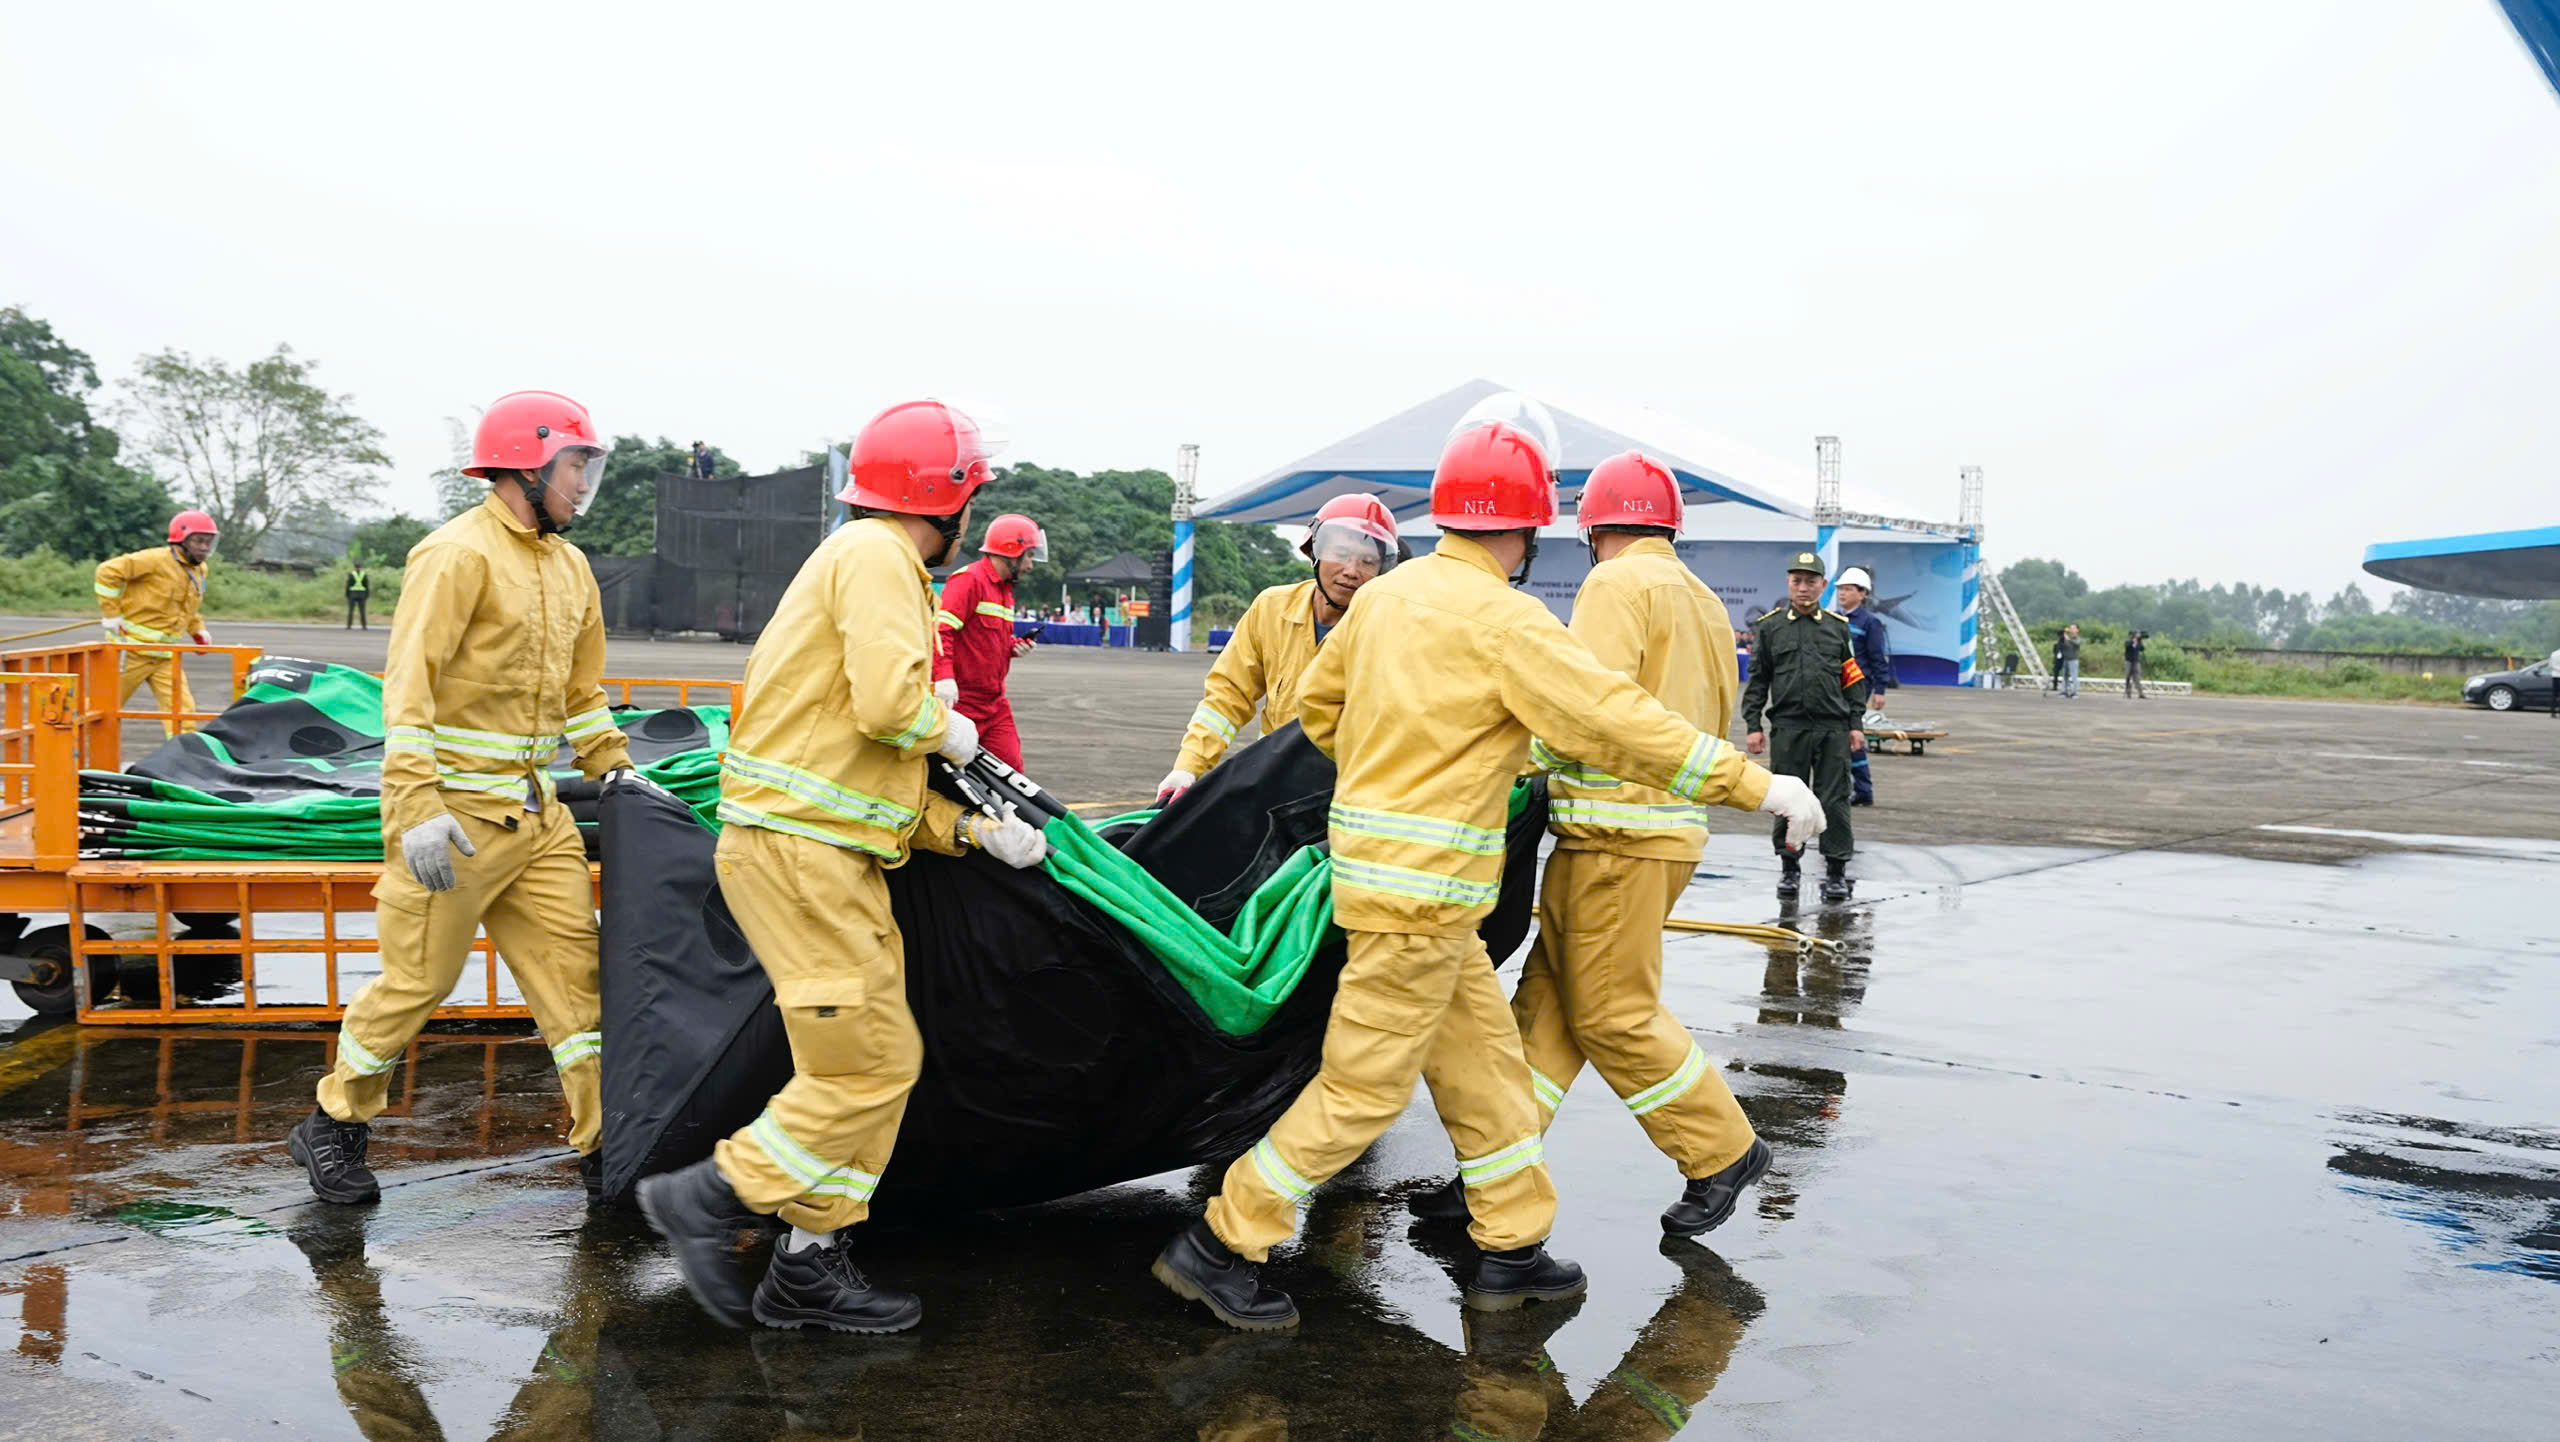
{"points": [[1352, 542], [1426, 697], [158, 595], [496, 658], [1592, 987], [824, 788]]}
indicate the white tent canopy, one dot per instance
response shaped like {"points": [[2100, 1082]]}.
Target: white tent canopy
{"points": [[1394, 458]]}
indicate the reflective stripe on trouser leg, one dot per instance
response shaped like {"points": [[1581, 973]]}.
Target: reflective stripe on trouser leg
{"points": [[544, 924], [1678, 1357], [818, 918], [426, 941], [1537, 1010], [1480, 1084], [1386, 1010], [1606, 913]]}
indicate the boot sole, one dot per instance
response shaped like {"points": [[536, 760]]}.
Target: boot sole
{"points": [[709, 1308], [1732, 1203], [294, 1148], [1512, 1301], [791, 1317], [1175, 1283]]}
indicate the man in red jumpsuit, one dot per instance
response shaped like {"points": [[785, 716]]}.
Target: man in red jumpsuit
{"points": [[975, 623]]}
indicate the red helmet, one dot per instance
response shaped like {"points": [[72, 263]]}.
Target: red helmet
{"points": [[1629, 489], [1358, 516], [191, 523], [919, 458], [1015, 536], [524, 430], [1493, 476]]}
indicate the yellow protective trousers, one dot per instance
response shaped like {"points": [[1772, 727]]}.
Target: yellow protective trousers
{"points": [[1406, 1006], [1592, 991], [168, 682], [529, 885], [818, 918]]}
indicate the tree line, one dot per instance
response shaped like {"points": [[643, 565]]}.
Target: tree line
{"points": [[2048, 595]]}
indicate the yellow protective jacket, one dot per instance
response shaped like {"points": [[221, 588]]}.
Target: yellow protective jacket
{"points": [[158, 596], [497, 656], [1426, 696], [830, 741], [1642, 613], [1262, 666]]}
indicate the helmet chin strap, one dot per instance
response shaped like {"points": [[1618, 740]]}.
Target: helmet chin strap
{"points": [[536, 489], [1528, 558], [948, 528], [1339, 603]]}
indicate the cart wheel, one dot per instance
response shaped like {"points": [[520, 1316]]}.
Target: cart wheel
{"points": [[1919, 747], [51, 995]]}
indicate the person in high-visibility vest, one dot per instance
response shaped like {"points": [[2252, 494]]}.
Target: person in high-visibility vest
{"points": [[356, 587], [157, 594]]}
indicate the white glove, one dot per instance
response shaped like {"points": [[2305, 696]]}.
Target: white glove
{"points": [[1791, 798], [114, 627], [629, 776], [960, 743], [428, 847], [1175, 782], [947, 691], [1015, 842]]}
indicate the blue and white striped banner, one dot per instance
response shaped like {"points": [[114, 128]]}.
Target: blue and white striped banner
{"points": [[1968, 618], [1180, 640]]}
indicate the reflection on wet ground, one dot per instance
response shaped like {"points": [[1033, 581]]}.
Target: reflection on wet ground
{"points": [[2067, 1144]]}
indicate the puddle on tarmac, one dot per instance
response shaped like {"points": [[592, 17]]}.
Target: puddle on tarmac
{"points": [[2151, 1143]]}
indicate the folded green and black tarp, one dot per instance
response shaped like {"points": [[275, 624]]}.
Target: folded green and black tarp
{"points": [[292, 770], [1151, 998]]}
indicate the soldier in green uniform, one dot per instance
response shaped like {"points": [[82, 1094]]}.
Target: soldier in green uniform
{"points": [[1804, 673]]}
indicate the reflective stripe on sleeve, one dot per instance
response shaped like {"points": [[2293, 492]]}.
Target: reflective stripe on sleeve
{"points": [[587, 723], [1627, 816], [1404, 881], [1205, 715], [927, 717]]}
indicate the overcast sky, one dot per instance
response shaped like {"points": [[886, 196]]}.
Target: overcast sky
{"points": [[2213, 289]]}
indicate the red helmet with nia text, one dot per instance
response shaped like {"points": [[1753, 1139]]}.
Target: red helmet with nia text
{"points": [[919, 458], [1493, 477], [191, 523], [1015, 536], [1629, 489]]}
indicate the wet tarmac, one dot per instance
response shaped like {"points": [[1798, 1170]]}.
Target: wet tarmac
{"points": [[2069, 1143]]}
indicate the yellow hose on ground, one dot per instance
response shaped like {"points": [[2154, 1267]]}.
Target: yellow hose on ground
{"points": [[48, 631], [1751, 931]]}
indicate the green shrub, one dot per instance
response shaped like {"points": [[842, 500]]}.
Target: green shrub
{"points": [[2355, 673], [41, 583]]}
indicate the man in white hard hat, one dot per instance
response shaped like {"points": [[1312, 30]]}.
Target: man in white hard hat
{"points": [[1875, 657]]}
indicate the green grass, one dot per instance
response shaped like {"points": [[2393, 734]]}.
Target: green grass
{"points": [[44, 584]]}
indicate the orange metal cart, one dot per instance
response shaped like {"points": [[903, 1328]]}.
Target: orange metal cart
{"points": [[60, 714]]}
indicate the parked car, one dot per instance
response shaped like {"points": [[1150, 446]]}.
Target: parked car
{"points": [[2528, 687]]}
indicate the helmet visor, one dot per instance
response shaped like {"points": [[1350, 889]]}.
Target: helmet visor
{"points": [[1523, 414], [1038, 550], [578, 471], [1353, 545]]}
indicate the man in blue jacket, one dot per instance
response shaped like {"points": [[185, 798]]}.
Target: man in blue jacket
{"points": [[1875, 657]]}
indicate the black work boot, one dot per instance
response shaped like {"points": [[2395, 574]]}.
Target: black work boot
{"points": [[591, 1176], [1836, 885], [1706, 1202], [819, 1286], [710, 1231], [1197, 1267], [1445, 1203], [1505, 1280], [1790, 877], [332, 1154]]}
